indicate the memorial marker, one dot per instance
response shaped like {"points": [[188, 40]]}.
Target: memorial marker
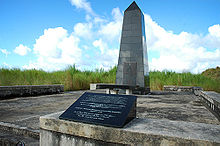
{"points": [[102, 109], [133, 60]]}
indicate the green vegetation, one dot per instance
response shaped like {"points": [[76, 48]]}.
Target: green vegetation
{"points": [[159, 79], [213, 73], [74, 79], [71, 78]]}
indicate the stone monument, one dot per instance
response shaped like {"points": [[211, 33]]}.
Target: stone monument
{"points": [[133, 61], [91, 118]]}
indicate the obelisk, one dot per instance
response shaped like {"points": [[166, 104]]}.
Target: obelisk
{"points": [[133, 61]]}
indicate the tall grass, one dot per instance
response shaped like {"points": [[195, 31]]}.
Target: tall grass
{"points": [[71, 78], [159, 79], [74, 79]]}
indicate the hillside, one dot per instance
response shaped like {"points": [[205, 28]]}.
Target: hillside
{"points": [[213, 73]]}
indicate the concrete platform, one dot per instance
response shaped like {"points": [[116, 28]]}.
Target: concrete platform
{"points": [[139, 131], [20, 116]]}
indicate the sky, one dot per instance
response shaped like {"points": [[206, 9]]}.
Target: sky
{"points": [[182, 35]]}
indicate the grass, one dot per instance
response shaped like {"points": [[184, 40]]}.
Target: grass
{"points": [[159, 79], [71, 78], [74, 79]]}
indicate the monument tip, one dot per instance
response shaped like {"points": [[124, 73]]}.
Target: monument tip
{"points": [[133, 6]]}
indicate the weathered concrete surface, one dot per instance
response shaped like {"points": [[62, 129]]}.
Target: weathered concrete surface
{"points": [[137, 132], [29, 90], [19, 117], [180, 106], [181, 88], [59, 139], [24, 112], [8, 138], [212, 100]]}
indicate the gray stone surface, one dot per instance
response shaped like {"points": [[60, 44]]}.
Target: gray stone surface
{"points": [[133, 62], [179, 106], [210, 99], [137, 132], [8, 138], [50, 138], [25, 112], [21, 115], [29, 90]]}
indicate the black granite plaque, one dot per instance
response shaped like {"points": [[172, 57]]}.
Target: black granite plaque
{"points": [[102, 109]]}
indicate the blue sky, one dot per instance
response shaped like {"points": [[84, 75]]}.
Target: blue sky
{"points": [[52, 34]]}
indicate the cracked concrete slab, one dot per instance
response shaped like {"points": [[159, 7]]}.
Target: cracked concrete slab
{"points": [[176, 106]]}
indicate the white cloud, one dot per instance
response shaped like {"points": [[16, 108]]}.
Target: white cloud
{"points": [[4, 51], [215, 30], [55, 50], [83, 30], [82, 4], [22, 50], [213, 38], [184, 51], [101, 45], [5, 65], [86, 47], [71, 53], [107, 57], [112, 30], [98, 20], [47, 44], [101, 35], [31, 65]]}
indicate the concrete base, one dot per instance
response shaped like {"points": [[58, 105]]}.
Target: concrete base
{"points": [[138, 132], [50, 138], [29, 90], [211, 99], [116, 89], [111, 91], [20, 116]]}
